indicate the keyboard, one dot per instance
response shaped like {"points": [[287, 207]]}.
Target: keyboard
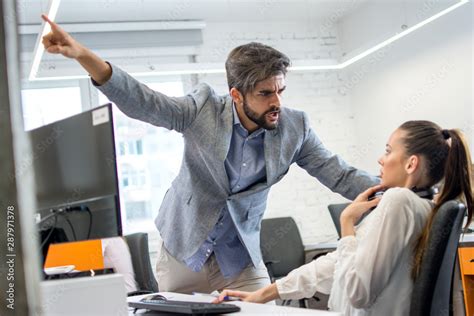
{"points": [[184, 307]]}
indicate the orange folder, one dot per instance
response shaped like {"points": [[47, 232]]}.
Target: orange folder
{"points": [[84, 255]]}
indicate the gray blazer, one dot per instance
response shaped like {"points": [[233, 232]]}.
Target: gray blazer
{"points": [[191, 207]]}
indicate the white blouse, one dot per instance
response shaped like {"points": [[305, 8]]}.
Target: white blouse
{"points": [[369, 273]]}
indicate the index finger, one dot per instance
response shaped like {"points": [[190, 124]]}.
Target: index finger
{"points": [[224, 295], [221, 297], [47, 20]]}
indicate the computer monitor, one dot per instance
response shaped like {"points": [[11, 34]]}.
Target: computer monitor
{"points": [[76, 176]]}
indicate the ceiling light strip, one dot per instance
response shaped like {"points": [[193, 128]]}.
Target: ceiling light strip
{"points": [[39, 48], [400, 35]]}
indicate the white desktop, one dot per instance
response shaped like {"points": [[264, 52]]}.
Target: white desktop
{"points": [[245, 308]]}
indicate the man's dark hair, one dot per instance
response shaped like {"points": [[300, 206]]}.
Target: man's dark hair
{"points": [[253, 62]]}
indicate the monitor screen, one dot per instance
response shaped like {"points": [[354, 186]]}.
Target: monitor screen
{"points": [[75, 169]]}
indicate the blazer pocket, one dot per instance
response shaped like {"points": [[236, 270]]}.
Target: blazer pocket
{"points": [[189, 199]]}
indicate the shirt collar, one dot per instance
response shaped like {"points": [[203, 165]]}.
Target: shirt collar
{"points": [[239, 125]]}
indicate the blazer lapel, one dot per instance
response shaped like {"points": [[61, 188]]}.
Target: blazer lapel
{"points": [[272, 149], [223, 138]]}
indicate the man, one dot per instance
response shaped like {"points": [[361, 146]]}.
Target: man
{"points": [[236, 147]]}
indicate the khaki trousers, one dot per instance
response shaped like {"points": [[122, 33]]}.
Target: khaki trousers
{"points": [[175, 276]]}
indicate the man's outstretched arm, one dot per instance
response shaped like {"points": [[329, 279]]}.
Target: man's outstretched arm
{"points": [[330, 169], [132, 97]]}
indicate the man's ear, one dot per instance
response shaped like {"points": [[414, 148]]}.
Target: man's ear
{"points": [[412, 164], [236, 96]]}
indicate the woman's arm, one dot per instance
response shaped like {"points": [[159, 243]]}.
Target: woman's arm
{"points": [[315, 276], [264, 295]]}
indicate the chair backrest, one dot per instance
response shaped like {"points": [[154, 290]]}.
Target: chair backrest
{"points": [[432, 292], [335, 211], [281, 244], [138, 245]]}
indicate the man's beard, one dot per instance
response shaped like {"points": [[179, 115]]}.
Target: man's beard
{"points": [[260, 120]]}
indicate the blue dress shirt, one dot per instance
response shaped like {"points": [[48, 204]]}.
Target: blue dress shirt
{"points": [[245, 166]]}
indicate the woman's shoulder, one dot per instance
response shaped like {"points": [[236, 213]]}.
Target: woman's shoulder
{"points": [[402, 194], [399, 199]]}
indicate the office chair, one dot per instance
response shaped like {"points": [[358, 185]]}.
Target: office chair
{"points": [[335, 211], [432, 292], [138, 245], [282, 248]]}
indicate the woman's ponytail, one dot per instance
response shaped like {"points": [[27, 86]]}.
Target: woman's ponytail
{"points": [[458, 172], [448, 160]]}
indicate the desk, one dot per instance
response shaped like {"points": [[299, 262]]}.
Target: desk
{"points": [[466, 264], [246, 308]]}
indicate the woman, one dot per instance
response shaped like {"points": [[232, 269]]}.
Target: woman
{"points": [[372, 270]]}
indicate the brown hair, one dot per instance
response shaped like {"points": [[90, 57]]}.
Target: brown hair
{"points": [[447, 159], [253, 62]]}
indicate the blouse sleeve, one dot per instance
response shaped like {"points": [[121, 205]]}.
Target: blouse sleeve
{"points": [[364, 265], [315, 276]]}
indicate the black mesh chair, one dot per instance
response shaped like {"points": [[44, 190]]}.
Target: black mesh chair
{"points": [[282, 248], [335, 211], [432, 292], [138, 245]]}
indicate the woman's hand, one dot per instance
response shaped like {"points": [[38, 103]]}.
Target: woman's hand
{"points": [[266, 294], [243, 296], [356, 209]]}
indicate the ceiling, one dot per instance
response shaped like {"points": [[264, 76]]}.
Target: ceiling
{"points": [[360, 24], [75, 11]]}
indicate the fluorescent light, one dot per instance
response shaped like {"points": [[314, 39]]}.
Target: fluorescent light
{"points": [[119, 26], [72, 77], [402, 34], [39, 48], [179, 72], [314, 64], [142, 74]]}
